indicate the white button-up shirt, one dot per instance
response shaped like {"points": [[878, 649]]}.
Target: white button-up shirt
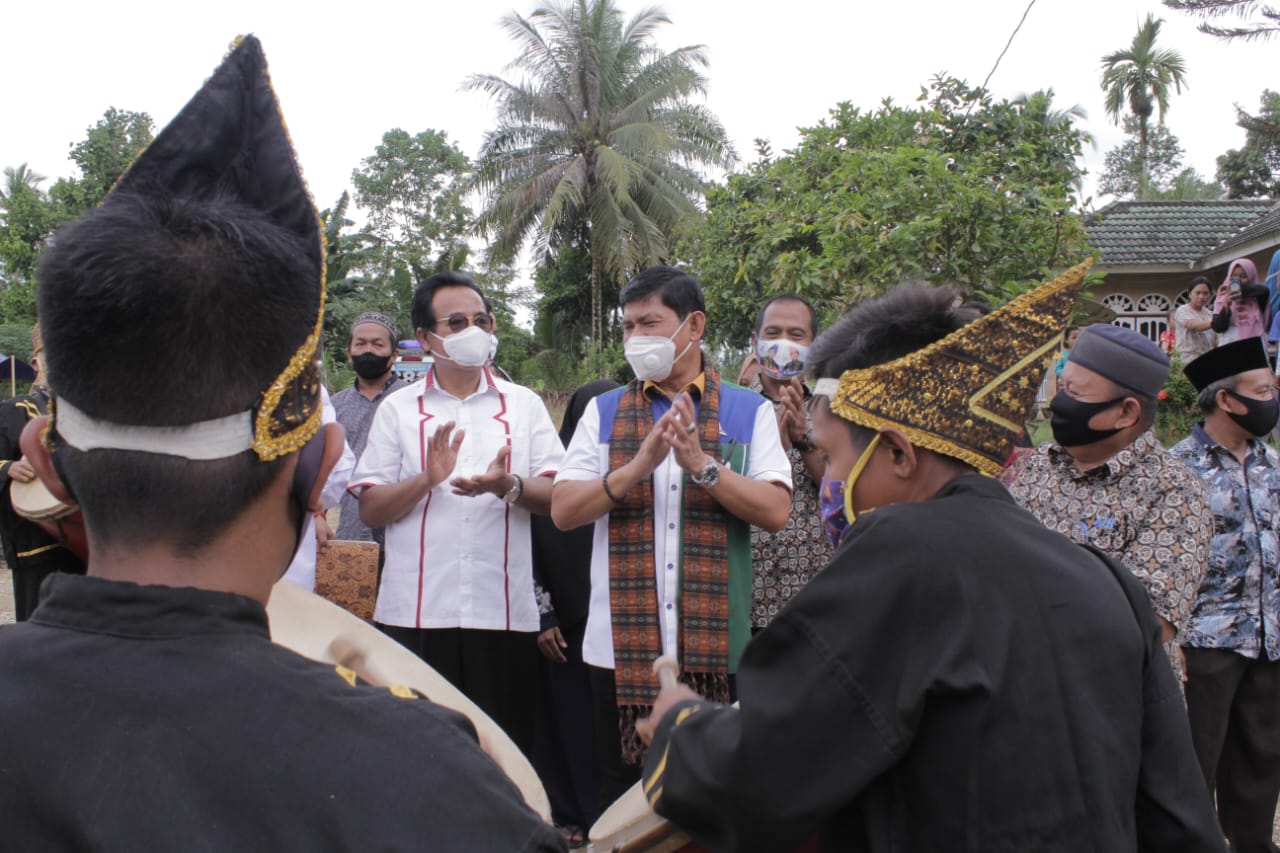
{"points": [[588, 458], [302, 570], [456, 561]]}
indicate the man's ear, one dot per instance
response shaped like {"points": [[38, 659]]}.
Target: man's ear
{"points": [[1130, 413], [421, 334], [902, 455], [697, 324], [34, 451]]}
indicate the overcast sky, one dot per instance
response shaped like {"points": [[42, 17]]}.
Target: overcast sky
{"points": [[346, 73]]}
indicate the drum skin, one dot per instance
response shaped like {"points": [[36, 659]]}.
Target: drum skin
{"points": [[316, 629], [33, 501]]}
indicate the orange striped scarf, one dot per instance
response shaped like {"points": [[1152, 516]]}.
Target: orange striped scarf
{"points": [[704, 564]]}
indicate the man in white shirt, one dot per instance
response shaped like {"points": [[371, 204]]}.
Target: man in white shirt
{"points": [[673, 468], [453, 466]]}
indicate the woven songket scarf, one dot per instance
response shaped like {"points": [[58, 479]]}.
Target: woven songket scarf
{"points": [[704, 565]]}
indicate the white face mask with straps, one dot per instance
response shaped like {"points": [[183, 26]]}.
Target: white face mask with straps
{"points": [[652, 356], [468, 348]]}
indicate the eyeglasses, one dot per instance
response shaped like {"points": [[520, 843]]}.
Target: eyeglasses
{"points": [[459, 321]]}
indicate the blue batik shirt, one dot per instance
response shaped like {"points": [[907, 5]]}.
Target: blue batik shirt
{"points": [[1238, 604]]}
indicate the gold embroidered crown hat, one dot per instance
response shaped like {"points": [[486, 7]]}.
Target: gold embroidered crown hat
{"points": [[230, 139], [966, 395]]}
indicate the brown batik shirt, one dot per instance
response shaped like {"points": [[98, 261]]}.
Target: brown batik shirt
{"points": [[1144, 507], [783, 562]]}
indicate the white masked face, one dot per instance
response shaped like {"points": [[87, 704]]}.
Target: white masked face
{"points": [[652, 356], [468, 348]]}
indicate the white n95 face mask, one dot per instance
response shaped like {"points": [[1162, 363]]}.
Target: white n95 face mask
{"points": [[468, 348], [651, 356]]}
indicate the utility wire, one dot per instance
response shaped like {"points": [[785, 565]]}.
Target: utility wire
{"points": [[1007, 44]]}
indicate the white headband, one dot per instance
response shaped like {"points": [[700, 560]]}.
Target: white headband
{"points": [[826, 387], [215, 439]]}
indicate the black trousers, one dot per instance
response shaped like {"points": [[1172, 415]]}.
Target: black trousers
{"points": [[1233, 703], [564, 751], [498, 670]]}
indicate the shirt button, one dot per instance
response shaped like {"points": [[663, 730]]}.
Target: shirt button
{"points": [[670, 566], [673, 488], [671, 526], [668, 606]]}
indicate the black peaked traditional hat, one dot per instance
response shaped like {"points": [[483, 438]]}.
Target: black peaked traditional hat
{"points": [[229, 141], [1227, 360]]}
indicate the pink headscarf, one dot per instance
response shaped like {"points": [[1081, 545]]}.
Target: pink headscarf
{"points": [[1250, 271]]}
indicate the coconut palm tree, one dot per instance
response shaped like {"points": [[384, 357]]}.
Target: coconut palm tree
{"points": [[598, 126], [17, 180], [1140, 77]]}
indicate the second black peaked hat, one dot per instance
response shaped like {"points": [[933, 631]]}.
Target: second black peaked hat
{"points": [[1227, 360], [229, 141]]}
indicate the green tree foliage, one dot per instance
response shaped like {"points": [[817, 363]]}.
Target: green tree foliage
{"points": [[348, 253], [102, 157], [1123, 176], [1142, 77], [1254, 170], [27, 218], [412, 187], [29, 215], [1266, 24], [959, 189], [1190, 185], [599, 128]]}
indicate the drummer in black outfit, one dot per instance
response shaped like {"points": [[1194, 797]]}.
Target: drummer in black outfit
{"points": [[30, 553], [145, 706]]}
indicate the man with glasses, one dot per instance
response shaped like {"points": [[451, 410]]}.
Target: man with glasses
{"points": [[453, 466]]}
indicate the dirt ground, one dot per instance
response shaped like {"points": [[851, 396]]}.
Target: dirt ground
{"points": [[6, 597]]}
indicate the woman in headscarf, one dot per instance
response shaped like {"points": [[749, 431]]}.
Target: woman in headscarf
{"points": [[564, 752], [1242, 306]]}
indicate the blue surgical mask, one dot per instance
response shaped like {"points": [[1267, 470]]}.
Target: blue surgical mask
{"points": [[835, 499]]}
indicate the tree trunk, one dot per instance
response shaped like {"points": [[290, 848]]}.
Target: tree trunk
{"points": [[1143, 182], [597, 332]]}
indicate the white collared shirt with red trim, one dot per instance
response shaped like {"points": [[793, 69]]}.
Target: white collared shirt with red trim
{"points": [[454, 561]]}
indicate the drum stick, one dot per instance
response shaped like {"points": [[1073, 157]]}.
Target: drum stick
{"points": [[667, 668]]}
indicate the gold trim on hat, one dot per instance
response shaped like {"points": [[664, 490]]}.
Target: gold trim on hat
{"points": [[967, 395]]}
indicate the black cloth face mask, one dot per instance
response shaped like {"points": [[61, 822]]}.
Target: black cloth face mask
{"points": [[1261, 416], [370, 365], [1070, 420]]}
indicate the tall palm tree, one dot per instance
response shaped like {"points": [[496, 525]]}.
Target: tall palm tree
{"points": [[18, 179], [1141, 76], [598, 126]]}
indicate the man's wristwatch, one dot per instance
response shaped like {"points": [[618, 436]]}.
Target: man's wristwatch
{"points": [[708, 476], [516, 491]]}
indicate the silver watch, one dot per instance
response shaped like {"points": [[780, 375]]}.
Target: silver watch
{"points": [[515, 492], [708, 476]]}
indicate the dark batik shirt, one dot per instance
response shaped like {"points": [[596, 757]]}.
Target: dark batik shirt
{"points": [[1238, 606], [157, 718], [958, 679], [783, 562], [1143, 506], [355, 412]]}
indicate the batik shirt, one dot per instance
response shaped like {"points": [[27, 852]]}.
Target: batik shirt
{"points": [[783, 562], [1238, 607], [1143, 506], [355, 413]]}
